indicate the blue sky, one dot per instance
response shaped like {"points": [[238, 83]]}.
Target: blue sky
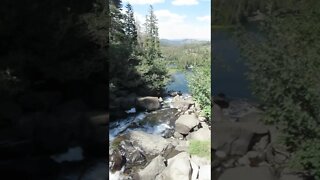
{"points": [[177, 19]]}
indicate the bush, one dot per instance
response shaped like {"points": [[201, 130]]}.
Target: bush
{"points": [[307, 158], [200, 86]]}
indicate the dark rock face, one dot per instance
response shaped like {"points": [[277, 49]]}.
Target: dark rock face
{"points": [[133, 156], [116, 160], [221, 100]]}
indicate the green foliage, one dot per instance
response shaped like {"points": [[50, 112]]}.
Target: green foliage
{"points": [[200, 84], [200, 148], [130, 27], [284, 69], [307, 158], [154, 73]]}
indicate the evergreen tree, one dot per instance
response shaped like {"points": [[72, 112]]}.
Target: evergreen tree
{"points": [[117, 27], [152, 42], [130, 26]]}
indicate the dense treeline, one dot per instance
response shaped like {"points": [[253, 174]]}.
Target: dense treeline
{"points": [[284, 70], [186, 55], [136, 66]]}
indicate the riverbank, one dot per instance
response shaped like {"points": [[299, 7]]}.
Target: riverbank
{"points": [[244, 146]]}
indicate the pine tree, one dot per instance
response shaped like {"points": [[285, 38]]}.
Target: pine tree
{"points": [[117, 27], [152, 43], [130, 27]]}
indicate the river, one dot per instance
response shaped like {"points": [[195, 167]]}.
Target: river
{"points": [[228, 67], [161, 125]]}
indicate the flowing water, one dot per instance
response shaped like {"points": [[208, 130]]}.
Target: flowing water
{"points": [[157, 122]]}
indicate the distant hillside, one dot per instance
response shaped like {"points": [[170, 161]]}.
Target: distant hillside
{"points": [[179, 42]]}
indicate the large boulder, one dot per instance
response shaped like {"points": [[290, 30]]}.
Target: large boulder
{"points": [[231, 138], [203, 134], [185, 123], [151, 144], [148, 103], [154, 168], [182, 103], [235, 137], [179, 167], [248, 173]]}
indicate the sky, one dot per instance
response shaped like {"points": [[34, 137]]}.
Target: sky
{"points": [[177, 19]]}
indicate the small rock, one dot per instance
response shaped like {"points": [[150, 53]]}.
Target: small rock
{"points": [[201, 119]]}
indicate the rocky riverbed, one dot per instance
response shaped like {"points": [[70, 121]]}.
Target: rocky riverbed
{"points": [[155, 144]]}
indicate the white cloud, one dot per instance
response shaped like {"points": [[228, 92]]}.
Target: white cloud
{"points": [[141, 2], [185, 2], [166, 16], [204, 18], [178, 26], [139, 17]]}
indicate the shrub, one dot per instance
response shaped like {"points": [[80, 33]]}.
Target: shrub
{"points": [[307, 158], [200, 87]]}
